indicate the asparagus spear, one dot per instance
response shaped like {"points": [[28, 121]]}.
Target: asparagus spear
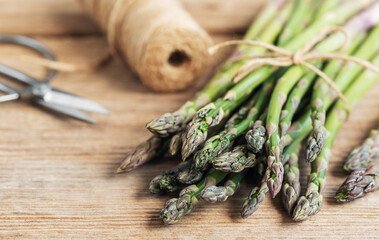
{"points": [[191, 175], [358, 184], [167, 180], [215, 193], [301, 14], [265, 16], [171, 123], [320, 95], [325, 7], [256, 136], [255, 198], [293, 101], [256, 195], [362, 156], [236, 160], [176, 208], [291, 181], [143, 153], [311, 203], [223, 141], [175, 144]]}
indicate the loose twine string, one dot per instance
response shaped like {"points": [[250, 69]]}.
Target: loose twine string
{"points": [[283, 58]]}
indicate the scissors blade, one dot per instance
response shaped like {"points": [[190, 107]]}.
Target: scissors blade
{"points": [[69, 100], [12, 93], [74, 113], [9, 97]]}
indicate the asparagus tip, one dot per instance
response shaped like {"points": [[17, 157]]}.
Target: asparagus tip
{"points": [[307, 206], [249, 207], [274, 178], [236, 160], [315, 144], [165, 125], [194, 136], [256, 138], [190, 176], [170, 214], [358, 184], [215, 193]]}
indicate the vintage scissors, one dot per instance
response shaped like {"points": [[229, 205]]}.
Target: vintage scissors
{"points": [[39, 90]]}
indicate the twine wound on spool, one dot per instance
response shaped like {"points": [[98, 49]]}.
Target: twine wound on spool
{"points": [[157, 39], [283, 58]]}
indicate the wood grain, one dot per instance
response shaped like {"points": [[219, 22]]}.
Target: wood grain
{"points": [[66, 16], [57, 174]]}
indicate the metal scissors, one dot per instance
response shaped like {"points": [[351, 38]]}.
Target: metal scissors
{"points": [[39, 90]]}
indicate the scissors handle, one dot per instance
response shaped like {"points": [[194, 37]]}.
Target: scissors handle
{"points": [[32, 44], [15, 74]]}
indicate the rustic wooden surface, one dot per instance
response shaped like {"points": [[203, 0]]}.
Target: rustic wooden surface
{"points": [[57, 174]]}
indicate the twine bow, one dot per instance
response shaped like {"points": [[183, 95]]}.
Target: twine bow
{"points": [[283, 58]]}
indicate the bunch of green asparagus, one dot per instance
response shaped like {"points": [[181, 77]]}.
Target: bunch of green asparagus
{"points": [[255, 128]]}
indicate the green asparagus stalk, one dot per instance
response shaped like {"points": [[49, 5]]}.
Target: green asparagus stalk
{"points": [[256, 195], [362, 156], [325, 7], [175, 144], [167, 181], [294, 100], [299, 19], [215, 193], [146, 151], [311, 203], [320, 94], [274, 174], [291, 181], [242, 113], [255, 198], [223, 141], [265, 16], [358, 184], [236, 160], [256, 136], [176, 208], [171, 123]]}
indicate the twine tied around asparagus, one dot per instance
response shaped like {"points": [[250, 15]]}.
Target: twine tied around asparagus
{"points": [[283, 58]]}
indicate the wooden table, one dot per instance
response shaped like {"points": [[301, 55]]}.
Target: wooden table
{"points": [[57, 174]]}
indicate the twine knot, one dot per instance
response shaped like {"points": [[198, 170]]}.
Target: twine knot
{"points": [[297, 58], [281, 57]]}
